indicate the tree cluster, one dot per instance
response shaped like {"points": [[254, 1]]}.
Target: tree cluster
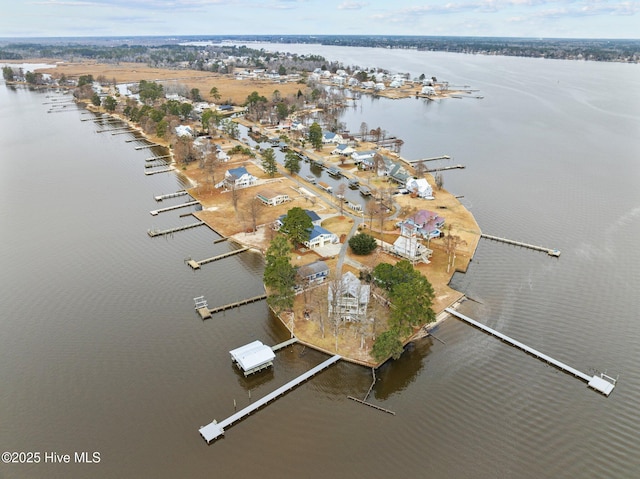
{"points": [[411, 296], [279, 275]]}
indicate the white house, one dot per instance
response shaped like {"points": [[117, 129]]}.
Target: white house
{"points": [[408, 246], [184, 130], [319, 237], [272, 198], [349, 297], [331, 137], [238, 178], [343, 149], [379, 86], [360, 156], [421, 187], [428, 90]]}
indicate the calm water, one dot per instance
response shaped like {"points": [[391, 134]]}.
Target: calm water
{"points": [[100, 349]]}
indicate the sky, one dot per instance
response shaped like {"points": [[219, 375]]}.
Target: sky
{"points": [[509, 18]]}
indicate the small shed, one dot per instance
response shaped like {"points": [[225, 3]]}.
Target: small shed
{"points": [[252, 357]]}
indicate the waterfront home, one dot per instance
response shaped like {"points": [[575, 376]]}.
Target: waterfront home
{"points": [[362, 156], [315, 219], [419, 186], [423, 223], [428, 90], [237, 178], [313, 273], [348, 297], [319, 237], [331, 137], [343, 149], [399, 174], [409, 247], [272, 197], [184, 130]]}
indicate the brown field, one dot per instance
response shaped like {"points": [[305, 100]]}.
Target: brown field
{"points": [[230, 89]]}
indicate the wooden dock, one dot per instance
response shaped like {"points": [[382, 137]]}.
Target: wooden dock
{"points": [[114, 129], [549, 251], [445, 168], [130, 130], [154, 233], [155, 158], [434, 158], [170, 195], [595, 382], [174, 207], [206, 312], [196, 264], [156, 172], [215, 429], [284, 344], [142, 147]]}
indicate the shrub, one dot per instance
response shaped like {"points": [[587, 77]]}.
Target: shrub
{"points": [[362, 244]]}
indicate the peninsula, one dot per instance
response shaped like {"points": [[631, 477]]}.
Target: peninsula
{"points": [[227, 151]]}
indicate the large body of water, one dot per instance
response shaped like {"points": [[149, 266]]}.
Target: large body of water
{"points": [[100, 349]]}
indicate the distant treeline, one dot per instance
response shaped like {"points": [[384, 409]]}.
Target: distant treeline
{"points": [[163, 50]]}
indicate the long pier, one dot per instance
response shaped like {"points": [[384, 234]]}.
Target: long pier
{"points": [[170, 195], [445, 168], [284, 344], [595, 382], [216, 429], [196, 264], [174, 207], [154, 233], [549, 251], [434, 158]]}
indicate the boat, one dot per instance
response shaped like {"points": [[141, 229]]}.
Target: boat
{"points": [[325, 186], [354, 184], [335, 172], [311, 179]]}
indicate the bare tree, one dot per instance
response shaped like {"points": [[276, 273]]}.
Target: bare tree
{"points": [[364, 129], [334, 294], [340, 190], [420, 168], [255, 208], [451, 242], [439, 180]]}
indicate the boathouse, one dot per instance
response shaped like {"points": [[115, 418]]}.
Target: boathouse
{"points": [[252, 357]]}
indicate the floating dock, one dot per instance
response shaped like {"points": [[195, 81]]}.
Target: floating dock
{"points": [[549, 251], [215, 429], [154, 233], [196, 264], [174, 207], [170, 195], [599, 383]]}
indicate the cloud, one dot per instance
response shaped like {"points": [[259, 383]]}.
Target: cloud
{"points": [[352, 5]]}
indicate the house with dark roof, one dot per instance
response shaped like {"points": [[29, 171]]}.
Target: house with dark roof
{"points": [[319, 237], [313, 273], [315, 219], [237, 178]]}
